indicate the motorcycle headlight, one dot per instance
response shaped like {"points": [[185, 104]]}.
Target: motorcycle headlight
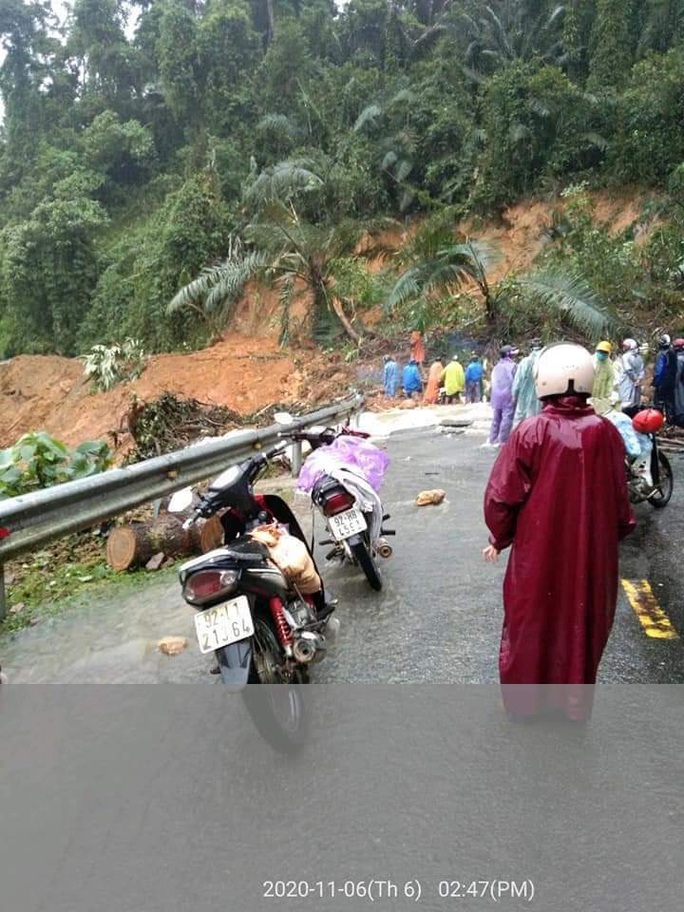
{"points": [[208, 585]]}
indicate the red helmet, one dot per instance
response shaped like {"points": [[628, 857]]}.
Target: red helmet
{"points": [[648, 421], [678, 343]]}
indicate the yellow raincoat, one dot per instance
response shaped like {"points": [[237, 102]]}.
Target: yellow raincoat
{"points": [[454, 378]]}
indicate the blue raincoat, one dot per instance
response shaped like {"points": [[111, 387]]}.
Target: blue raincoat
{"points": [[413, 382], [391, 378]]}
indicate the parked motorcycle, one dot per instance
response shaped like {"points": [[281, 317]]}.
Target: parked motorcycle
{"points": [[351, 508], [264, 632], [656, 490]]}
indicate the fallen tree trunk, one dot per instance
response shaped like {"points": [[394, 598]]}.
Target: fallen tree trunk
{"points": [[133, 545]]}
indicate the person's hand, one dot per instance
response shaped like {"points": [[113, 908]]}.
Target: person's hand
{"points": [[490, 554]]}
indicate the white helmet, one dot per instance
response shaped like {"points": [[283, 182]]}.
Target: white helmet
{"points": [[562, 369], [629, 344]]}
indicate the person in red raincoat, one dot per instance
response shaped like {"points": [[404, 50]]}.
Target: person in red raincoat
{"points": [[558, 495]]}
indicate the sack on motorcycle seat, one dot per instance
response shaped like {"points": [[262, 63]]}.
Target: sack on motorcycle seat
{"points": [[291, 557]]}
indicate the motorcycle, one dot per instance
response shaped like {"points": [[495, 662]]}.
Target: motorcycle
{"points": [[264, 632], [656, 490], [351, 508]]}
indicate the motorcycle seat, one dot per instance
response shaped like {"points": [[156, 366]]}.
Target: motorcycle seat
{"points": [[324, 484], [246, 551]]}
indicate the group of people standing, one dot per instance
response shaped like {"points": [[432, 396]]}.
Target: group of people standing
{"points": [[454, 379], [618, 383], [621, 382]]}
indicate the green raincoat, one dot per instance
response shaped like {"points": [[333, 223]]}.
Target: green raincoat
{"points": [[604, 379]]}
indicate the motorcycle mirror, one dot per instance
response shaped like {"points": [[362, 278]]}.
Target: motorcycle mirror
{"points": [[180, 501], [283, 418]]}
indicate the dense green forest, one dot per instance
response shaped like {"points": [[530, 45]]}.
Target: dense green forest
{"points": [[151, 147]]}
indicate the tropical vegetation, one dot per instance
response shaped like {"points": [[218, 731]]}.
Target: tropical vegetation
{"points": [[157, 156], [38, 460]]}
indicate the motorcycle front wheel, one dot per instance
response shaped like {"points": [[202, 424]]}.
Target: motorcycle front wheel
{"points": [[365, 560], [662, 496], [275, 703]]}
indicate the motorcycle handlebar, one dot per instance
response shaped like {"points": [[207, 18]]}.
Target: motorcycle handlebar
{"points": [[274, 451], [325, 436], [209, 504]]}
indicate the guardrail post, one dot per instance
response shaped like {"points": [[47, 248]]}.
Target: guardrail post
{"points": [[3, 606], [296, 457]]}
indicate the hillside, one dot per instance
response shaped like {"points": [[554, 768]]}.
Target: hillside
{"points": [[247, 370], [148, 144]]}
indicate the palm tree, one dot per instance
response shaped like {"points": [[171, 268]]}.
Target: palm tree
{"points": [[439, 264], [509, 30], [302, 257], [390, 120], [572, 299], [217, 289]]}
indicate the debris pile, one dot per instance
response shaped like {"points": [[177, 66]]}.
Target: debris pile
{"points": [[169, 423]]}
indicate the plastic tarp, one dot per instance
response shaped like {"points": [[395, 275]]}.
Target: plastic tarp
{"points": [[358, 465], [346, 453]]}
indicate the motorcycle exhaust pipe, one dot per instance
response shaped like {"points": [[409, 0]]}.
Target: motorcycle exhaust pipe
{"points": [[383, 548], [308, 647]]}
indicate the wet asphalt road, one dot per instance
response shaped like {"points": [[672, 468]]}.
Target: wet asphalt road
{"points": [[437, 619], [158, 799]]}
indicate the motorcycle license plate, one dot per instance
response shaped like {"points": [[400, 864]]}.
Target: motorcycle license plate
{"points": [[346, 524], [225, 624]]}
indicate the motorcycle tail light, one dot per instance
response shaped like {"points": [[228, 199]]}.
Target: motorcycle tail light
{"points": [[338, 503], [208, 585], [4, 533]]}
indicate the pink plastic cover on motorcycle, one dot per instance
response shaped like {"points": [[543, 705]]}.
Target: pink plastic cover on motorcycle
{"points": [[350, 452]]}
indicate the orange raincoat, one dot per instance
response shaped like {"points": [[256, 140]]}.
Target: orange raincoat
{"points": [[417, 347], [434, 382]]}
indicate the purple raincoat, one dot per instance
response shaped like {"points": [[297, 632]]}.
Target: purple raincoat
{"points": [[502, 383]]}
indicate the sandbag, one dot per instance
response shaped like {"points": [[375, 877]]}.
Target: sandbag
{"points": [[291, 557]]}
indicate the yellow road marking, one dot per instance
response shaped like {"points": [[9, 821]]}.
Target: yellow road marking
{"points": [[653, 619]]}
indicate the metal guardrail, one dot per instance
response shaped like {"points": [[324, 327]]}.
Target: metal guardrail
{"points": [[43, 516]]}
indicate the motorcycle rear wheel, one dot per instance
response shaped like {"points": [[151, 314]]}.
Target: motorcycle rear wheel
{"points": [[365, 560], [662, 496], [275, 704]]}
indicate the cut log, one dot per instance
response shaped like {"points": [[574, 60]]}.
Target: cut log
{"points": [[133, 545], [210, 534]]}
